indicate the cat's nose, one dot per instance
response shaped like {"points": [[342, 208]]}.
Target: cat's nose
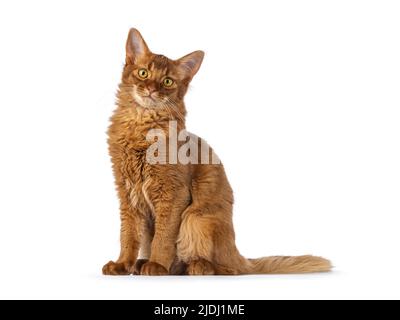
{"points": [[151, 89]]}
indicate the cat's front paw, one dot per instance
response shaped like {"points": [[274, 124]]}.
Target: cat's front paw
{"points": [[153, 269], [118, 269], [138, 266]]}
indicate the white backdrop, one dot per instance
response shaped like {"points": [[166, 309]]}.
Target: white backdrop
{"points": [[299, 98]]}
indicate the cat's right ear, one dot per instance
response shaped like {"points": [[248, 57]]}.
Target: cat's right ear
{"points": [[136, 47]]}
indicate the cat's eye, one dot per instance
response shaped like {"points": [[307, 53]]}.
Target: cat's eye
{"points": [[168, 82], [143, 73]]}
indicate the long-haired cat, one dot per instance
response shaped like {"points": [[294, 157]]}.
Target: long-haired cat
{"points": [[177, 216]]}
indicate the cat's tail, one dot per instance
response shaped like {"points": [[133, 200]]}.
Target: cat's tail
{"points": [[286, 265]]}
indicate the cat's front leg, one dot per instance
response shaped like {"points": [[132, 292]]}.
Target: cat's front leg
{"points": [[130, 242], [168, 215], [146, 238]]}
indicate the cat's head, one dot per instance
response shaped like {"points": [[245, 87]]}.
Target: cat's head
{"points": [[157, 81]]}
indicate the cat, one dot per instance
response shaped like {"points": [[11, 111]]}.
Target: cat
{"points": [[178, 217]]}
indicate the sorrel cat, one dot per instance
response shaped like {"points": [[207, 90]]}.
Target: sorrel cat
{"points": [[179, 216]]}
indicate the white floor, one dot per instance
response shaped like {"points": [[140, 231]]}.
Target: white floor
{"points": [[337, 285]]}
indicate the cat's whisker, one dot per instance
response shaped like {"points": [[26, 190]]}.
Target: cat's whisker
{"points": [[172, 106], [170, 111]]}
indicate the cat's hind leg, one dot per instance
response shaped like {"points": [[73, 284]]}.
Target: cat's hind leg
{"points": [[206, 243], [195, 242]]}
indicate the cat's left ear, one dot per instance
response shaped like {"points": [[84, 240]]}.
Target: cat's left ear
{"points": [[136, 47], [191, 63]]}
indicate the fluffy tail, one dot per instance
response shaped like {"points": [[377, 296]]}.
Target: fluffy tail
{"points": [[287, 265]]}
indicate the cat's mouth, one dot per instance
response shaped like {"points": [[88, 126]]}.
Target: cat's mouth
{"points": [[148, 101], [145, 100], [148, 98]]}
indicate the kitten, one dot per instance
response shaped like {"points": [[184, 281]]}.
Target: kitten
{"points": [[178, 216]]}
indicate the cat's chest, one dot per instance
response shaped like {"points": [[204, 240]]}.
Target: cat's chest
{"points": [[136, 171], [137, 177], [133, 139], [128, 148]]}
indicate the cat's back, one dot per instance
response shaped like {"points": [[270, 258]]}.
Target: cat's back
{"points": [[209, 180]]}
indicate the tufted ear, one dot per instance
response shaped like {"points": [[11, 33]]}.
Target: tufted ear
{"points": [[136, 47], [191, 63]]}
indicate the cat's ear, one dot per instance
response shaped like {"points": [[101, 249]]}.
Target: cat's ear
{"points": [[191, 63], [136, 47]]}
